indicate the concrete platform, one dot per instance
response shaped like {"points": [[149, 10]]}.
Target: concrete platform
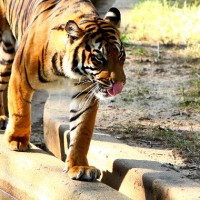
{"points": [[36, 175], [126, 169]]}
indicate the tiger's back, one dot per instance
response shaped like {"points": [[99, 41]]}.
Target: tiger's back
{"points": [[59, 41]]}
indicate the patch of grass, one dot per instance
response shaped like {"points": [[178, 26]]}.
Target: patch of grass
{"points": [[128, 97], [168, 138], [180, 140], [139, 51], [138, 91], [191, 54], [165, 22], [181, 3], [191, 96]]}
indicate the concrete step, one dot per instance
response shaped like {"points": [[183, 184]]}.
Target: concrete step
{"points": [[127, 169], [37, 175]]}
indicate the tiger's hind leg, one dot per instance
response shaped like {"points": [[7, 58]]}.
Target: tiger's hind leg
{"points": [[7, 53]]}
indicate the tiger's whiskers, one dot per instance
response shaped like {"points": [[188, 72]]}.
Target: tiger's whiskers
{"points": [[90, 86], [89, 96]]}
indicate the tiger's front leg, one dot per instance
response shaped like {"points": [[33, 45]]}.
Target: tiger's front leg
{"points": [[82, 119], [18, 130]]}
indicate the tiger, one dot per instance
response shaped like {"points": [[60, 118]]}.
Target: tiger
{"points": [[59, 44]]}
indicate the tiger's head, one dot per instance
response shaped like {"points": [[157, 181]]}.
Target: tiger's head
{"points": [[95, 51]]}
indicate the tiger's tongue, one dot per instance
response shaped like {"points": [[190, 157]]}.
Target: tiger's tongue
{"points": [[116, 89]]}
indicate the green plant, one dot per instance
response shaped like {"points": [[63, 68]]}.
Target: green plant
{"points": [[191, 96]]}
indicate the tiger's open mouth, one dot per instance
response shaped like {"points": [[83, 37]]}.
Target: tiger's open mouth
{"points": [[111, 92], [101, 91], [116, 89]]}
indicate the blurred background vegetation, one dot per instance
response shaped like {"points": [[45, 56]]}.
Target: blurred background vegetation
{"points": [[165, 21]]}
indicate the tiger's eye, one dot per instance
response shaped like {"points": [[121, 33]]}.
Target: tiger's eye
{"points": [[99, 56]]}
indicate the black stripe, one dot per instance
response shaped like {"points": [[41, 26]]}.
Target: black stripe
{"points": [[98, 39], [6, 62], [18, 17], [21, 56], [93, 35], [110, 30], [27, 79], [11, 7], [73, 111], [43, 55], [71, 145], [55, 59], [46, 47], [91, 68], [26, 15], [88, 21], [90, 27], [79, 114], [21, 91], [112, 37], [22, 52], [83, 61], [100, 45], [60, 11], [5, 74], [75, 62], [9, 50], [86, 16], [87, 47], [47, 9], [3, 82], [40, 75], [73, 128]]}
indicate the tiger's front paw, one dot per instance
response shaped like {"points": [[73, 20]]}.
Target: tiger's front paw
{"points": [[83, 173], [17, 143], [19, 146]]}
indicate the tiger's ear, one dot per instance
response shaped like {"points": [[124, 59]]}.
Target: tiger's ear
{"points": [[113, 16], [73, 30]]}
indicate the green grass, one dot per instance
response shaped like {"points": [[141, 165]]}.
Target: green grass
{"points": [[168, 138], [180, 140], [164, 22], [137, 92], [191, 96]]}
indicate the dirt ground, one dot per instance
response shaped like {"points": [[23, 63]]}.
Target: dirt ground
{"points": [[149, 109]]}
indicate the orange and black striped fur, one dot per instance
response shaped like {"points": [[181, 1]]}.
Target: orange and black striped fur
{"points": [[50, 43]]}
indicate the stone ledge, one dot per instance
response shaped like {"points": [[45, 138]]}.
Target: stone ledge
{"points": [[124, 168], [36, 175]]}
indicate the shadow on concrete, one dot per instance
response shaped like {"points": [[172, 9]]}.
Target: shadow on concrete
{"points": [[122, 166], [104, 137], [39, 151], [37, 109], [156, 183], [62, 139]]}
